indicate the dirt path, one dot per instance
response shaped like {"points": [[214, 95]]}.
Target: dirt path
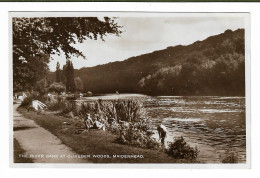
{"points": [[40, 144]]}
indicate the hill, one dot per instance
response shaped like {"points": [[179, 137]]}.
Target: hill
{"points": [[214, 66]]}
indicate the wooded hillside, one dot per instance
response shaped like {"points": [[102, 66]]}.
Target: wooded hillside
{"points": [[214, 66]]}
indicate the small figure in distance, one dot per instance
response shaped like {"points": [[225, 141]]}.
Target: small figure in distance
{"points": [[162, 131], [88, 122], [117, 92]]}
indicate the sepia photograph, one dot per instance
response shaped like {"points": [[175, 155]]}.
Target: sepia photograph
{"points": [[129, 87]]}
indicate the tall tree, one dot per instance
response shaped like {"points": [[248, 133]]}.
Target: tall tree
{"points": [[63, 75], [58, 73], [69, 71], [34, 38]]}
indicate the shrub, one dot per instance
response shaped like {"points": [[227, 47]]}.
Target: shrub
{"points": [[114, 127], [42, 98], [55, 103], [179, 149], [230, 157], [57, 87], [67, 107], [135, 136], [129, 110], [27, 101]]}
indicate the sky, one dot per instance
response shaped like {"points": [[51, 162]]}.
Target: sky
{"points": [[145, 34]]}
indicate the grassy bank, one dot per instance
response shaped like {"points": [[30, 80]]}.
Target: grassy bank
{"points": [[95, 142]]}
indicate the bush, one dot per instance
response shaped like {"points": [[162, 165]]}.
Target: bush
{"points": [[114, 127], [129, 110], [135, 136], [179, 149], [57, 87], [68, 106], [27, 101], [54, 103], [230, 157]]}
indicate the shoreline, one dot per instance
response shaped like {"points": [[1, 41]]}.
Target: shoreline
{"points": [[205, 148], [95, 142]]}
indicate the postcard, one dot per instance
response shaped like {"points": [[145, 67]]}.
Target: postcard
{"points": [[130, 89]]}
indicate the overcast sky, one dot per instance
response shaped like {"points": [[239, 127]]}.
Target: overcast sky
{"points": [[146, 34]]}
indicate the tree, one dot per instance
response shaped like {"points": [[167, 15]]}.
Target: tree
{"points": [[63, 75], [35, 39], [58, 72], [78, 84], [26, 72], [69, 73], [41, 86], [57, 87]]}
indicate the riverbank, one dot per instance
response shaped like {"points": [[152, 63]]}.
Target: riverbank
{"points": [[99, 146]]}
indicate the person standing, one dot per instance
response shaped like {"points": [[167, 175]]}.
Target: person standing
{"points": [[162, 131]]}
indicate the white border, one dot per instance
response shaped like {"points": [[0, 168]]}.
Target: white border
{"points": [[138, 14], [253, 8]]}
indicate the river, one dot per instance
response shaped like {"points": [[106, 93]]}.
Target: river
{"points": [[213, 124]]}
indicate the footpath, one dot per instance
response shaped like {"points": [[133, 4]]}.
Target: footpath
{"points": [[39, 144]]}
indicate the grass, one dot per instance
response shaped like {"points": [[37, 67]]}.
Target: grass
{"points": [[18, 150], [95, 142]]}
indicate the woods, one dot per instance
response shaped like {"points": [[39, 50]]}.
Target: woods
{"points": [[215, 66]]}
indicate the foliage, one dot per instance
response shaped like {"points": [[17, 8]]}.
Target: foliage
{"points": [[215, 66], [67, 107], [36, 39], [63, 74], [179, 149], [27, 101], [125, 118], [78, 83], [54, 103], [230, 157], [42, 86], [57, 87], [58, 73], [136, 136], [114, 127], [130, 111], [69, 74], [26, 74]]}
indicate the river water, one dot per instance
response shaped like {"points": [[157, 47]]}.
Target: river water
{"points": [[213, 124]]}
